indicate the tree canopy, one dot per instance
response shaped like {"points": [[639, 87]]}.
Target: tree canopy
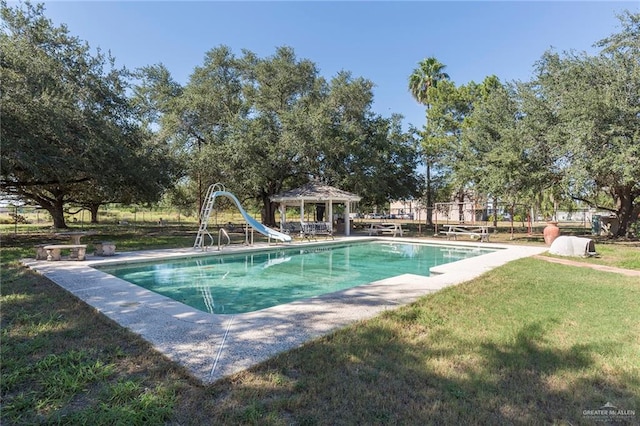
{"points": [[573, 131], [69, 134], [78, 131], [593, 103], [263, 125]]}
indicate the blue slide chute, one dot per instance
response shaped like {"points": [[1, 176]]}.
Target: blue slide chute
{"points": [[264, 230], [212, 194]]}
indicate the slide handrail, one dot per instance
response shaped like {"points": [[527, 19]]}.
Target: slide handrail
{"points": [[220, 234]]}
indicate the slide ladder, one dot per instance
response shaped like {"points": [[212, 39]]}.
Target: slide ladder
{"points": [[205, 213], [217, 190]]}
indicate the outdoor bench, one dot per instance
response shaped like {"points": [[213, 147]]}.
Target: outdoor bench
{"points": [[77, 251], [310, 230], [41, 253], [104, 248]]}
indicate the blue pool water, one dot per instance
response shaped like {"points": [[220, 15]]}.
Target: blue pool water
{"points": [[247, 282]]}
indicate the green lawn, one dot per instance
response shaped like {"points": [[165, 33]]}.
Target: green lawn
{"points": [[530, 342], [615, 255]]}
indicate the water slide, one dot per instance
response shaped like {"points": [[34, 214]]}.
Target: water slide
{"points": [[264, 230]]}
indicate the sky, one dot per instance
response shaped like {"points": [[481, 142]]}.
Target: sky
{"points": [[381, 41]]}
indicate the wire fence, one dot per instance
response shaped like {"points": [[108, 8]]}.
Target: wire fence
{"points": [[16, 219]]}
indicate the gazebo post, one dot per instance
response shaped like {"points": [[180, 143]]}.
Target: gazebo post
{"points": [[283, 215], [347, 219], [330, 216], [301, 210]]}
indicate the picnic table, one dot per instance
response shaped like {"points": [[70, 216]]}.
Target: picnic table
{"points": [[394, 229], [480, 232]]}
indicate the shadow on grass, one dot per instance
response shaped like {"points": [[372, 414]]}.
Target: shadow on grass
{"points": [[376, 376], [42, 325]]}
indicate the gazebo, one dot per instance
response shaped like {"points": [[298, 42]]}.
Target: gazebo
{"points": [[315, 193]]}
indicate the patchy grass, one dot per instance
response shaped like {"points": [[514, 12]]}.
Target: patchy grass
{"points": [[530, 342], [61, 359], [619, 255], [527, 343]]}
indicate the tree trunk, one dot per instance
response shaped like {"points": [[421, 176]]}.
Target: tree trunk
{"points": [[461, 206], [626, 211], [268, 211], [54, 205], [58, 219], [429, 196], [56, 209], [93, 208]]}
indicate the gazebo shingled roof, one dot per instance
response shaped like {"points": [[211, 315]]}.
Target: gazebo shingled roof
{"points": [[315, 192]]}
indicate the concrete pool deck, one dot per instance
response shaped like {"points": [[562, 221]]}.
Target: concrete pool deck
{"points": [[212, 346]]}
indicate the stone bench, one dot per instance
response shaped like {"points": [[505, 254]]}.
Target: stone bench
{"points": [[104, 248], [41, 253], [77, 251]]}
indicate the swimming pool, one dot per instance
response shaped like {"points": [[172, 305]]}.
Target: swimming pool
{"points": [[213, 346], [239, 283]]}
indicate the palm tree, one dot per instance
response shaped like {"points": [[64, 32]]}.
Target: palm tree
{"points": [[429, 72], [421, 82]]}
